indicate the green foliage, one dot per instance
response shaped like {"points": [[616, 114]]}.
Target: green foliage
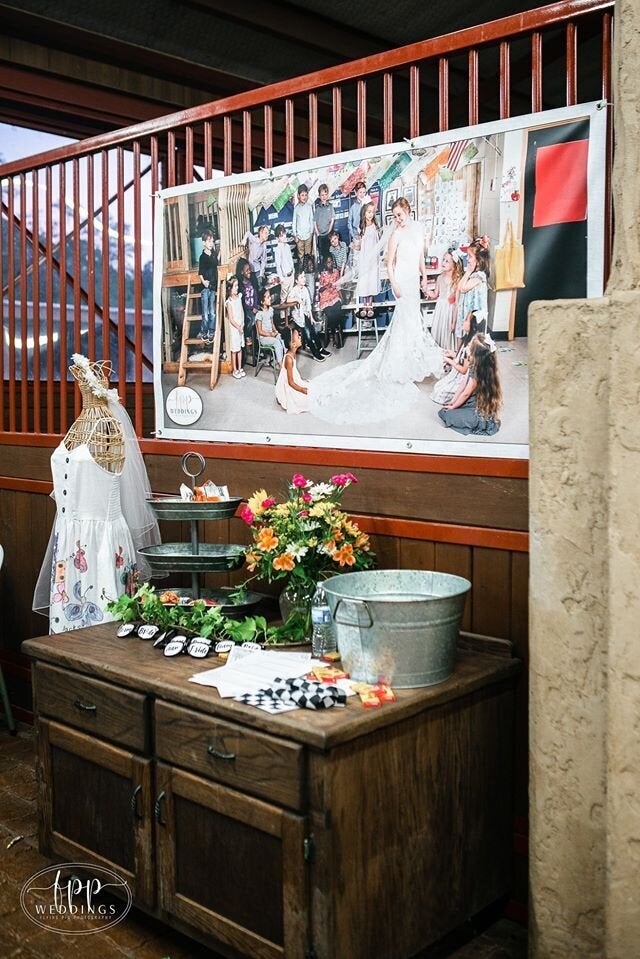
{"points": [[198, 618]]}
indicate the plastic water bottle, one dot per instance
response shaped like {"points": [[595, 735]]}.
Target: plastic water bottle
{"points": [[323, 639]]}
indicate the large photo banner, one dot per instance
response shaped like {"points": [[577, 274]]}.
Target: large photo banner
{"points": [[376, 299]]}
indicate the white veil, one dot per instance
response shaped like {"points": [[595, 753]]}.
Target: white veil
{"points": [[135, 490]]}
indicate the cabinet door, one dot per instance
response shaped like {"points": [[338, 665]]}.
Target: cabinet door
{"points": [[95, 805], [231, 866]]}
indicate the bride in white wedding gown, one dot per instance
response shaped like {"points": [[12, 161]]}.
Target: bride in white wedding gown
{"points": [[383, 386]]}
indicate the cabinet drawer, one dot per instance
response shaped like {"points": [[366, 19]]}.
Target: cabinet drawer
{"points": [[110, 712], [230, 754]]}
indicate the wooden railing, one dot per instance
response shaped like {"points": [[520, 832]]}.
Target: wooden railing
{"points": [[83, 212]]}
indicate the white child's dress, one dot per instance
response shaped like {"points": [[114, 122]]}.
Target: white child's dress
{"points": [[369, 264], [94, 559]]}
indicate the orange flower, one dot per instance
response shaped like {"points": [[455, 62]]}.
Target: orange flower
{"points": [[344, 555], [284, 561], [362, 540], [265, 540], [252, 561]]}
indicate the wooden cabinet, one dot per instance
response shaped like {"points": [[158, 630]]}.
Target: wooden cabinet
{"points": [[344, 833], [95, 804]]}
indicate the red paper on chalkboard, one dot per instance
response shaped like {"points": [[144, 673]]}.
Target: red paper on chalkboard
{"points": [[561, 183]]}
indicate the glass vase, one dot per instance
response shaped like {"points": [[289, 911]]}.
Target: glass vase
{"points": [[295, 604]]}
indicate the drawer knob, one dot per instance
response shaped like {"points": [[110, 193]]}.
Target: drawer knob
{"points": [[219, 754], [85, 707]]}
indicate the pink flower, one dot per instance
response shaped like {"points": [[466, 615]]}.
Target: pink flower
{"points": [[307, 498], [303, 512], [247, 515], [266, 503], [299, 481], [343, 479]]}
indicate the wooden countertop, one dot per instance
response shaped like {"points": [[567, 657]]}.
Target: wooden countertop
{"points": [[135, 664]]}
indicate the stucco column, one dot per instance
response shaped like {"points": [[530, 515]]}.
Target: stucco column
{"points": [[585, 584]]}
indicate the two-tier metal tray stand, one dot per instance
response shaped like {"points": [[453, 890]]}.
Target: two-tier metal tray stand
{"points": [[196, 557]]}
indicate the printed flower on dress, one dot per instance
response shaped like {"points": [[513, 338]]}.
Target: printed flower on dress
{"points": [[308, 536]]}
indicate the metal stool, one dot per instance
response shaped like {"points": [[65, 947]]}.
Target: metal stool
{"points": [[267, 353], [371, 330]]}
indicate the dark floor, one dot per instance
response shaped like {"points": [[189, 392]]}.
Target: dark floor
{"points": [[137, 937]]}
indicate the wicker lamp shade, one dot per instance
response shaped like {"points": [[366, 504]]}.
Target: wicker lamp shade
{"points": [[96, 426]]}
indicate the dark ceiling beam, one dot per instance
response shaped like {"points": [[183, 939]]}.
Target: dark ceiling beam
{"points": [[291, 23], [58, 92], [26, 26]]}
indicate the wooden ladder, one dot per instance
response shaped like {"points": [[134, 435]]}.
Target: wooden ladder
{"points": [[184, 364]]}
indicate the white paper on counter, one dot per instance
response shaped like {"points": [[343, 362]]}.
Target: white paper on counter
{"points": [[247, 670]]}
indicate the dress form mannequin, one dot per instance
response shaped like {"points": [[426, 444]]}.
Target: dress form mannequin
{"points": [[97, 426], [103, 517]]}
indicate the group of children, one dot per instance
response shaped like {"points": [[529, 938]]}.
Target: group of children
{"points": [[469, 392]]}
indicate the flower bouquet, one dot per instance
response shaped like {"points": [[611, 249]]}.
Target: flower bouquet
{"points": [[304, 539]]}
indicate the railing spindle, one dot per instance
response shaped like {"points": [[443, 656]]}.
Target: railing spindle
{"points": [[572, 64], [2, 316], [77, 302], [24, 310], [268, 136], [137, 287], [414, 101], [11, 293], [336, 98], [505, 80], [208, 149], [473, 88], [313, 124], [246, 141], [387, 107], [105, 252], [122, 315], [289, 131], [536, 72], [91, 260], [228, 147], [51, 372], [171, 158], [361, 139], [62, 272], [188, 155], [443, 94], [607, 40], [35, 296]]}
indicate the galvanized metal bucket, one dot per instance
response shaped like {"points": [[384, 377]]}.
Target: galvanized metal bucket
{"points": [[397, 626]]}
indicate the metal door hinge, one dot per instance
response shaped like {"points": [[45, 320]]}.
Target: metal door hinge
{"points": [[309, 848]]}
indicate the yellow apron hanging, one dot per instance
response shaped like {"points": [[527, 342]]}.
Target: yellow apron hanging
{"points": [[509, 261]]}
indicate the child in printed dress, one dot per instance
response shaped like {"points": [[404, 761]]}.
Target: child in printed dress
{"points": [[368, 284], [446, 292], [235, 315], [475, 407], [447, 387], [472, 289]]}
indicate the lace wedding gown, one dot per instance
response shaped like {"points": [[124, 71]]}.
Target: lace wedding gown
{"points": [[382, 386]]}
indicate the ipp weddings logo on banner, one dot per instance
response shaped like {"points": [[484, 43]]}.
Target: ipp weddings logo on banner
{"points": [[75, 899]]}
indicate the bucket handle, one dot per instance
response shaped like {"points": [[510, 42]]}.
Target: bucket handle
{"points": [[360, 602]]}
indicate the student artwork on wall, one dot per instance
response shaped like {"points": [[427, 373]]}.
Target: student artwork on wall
{"points": [[352, 301]]}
